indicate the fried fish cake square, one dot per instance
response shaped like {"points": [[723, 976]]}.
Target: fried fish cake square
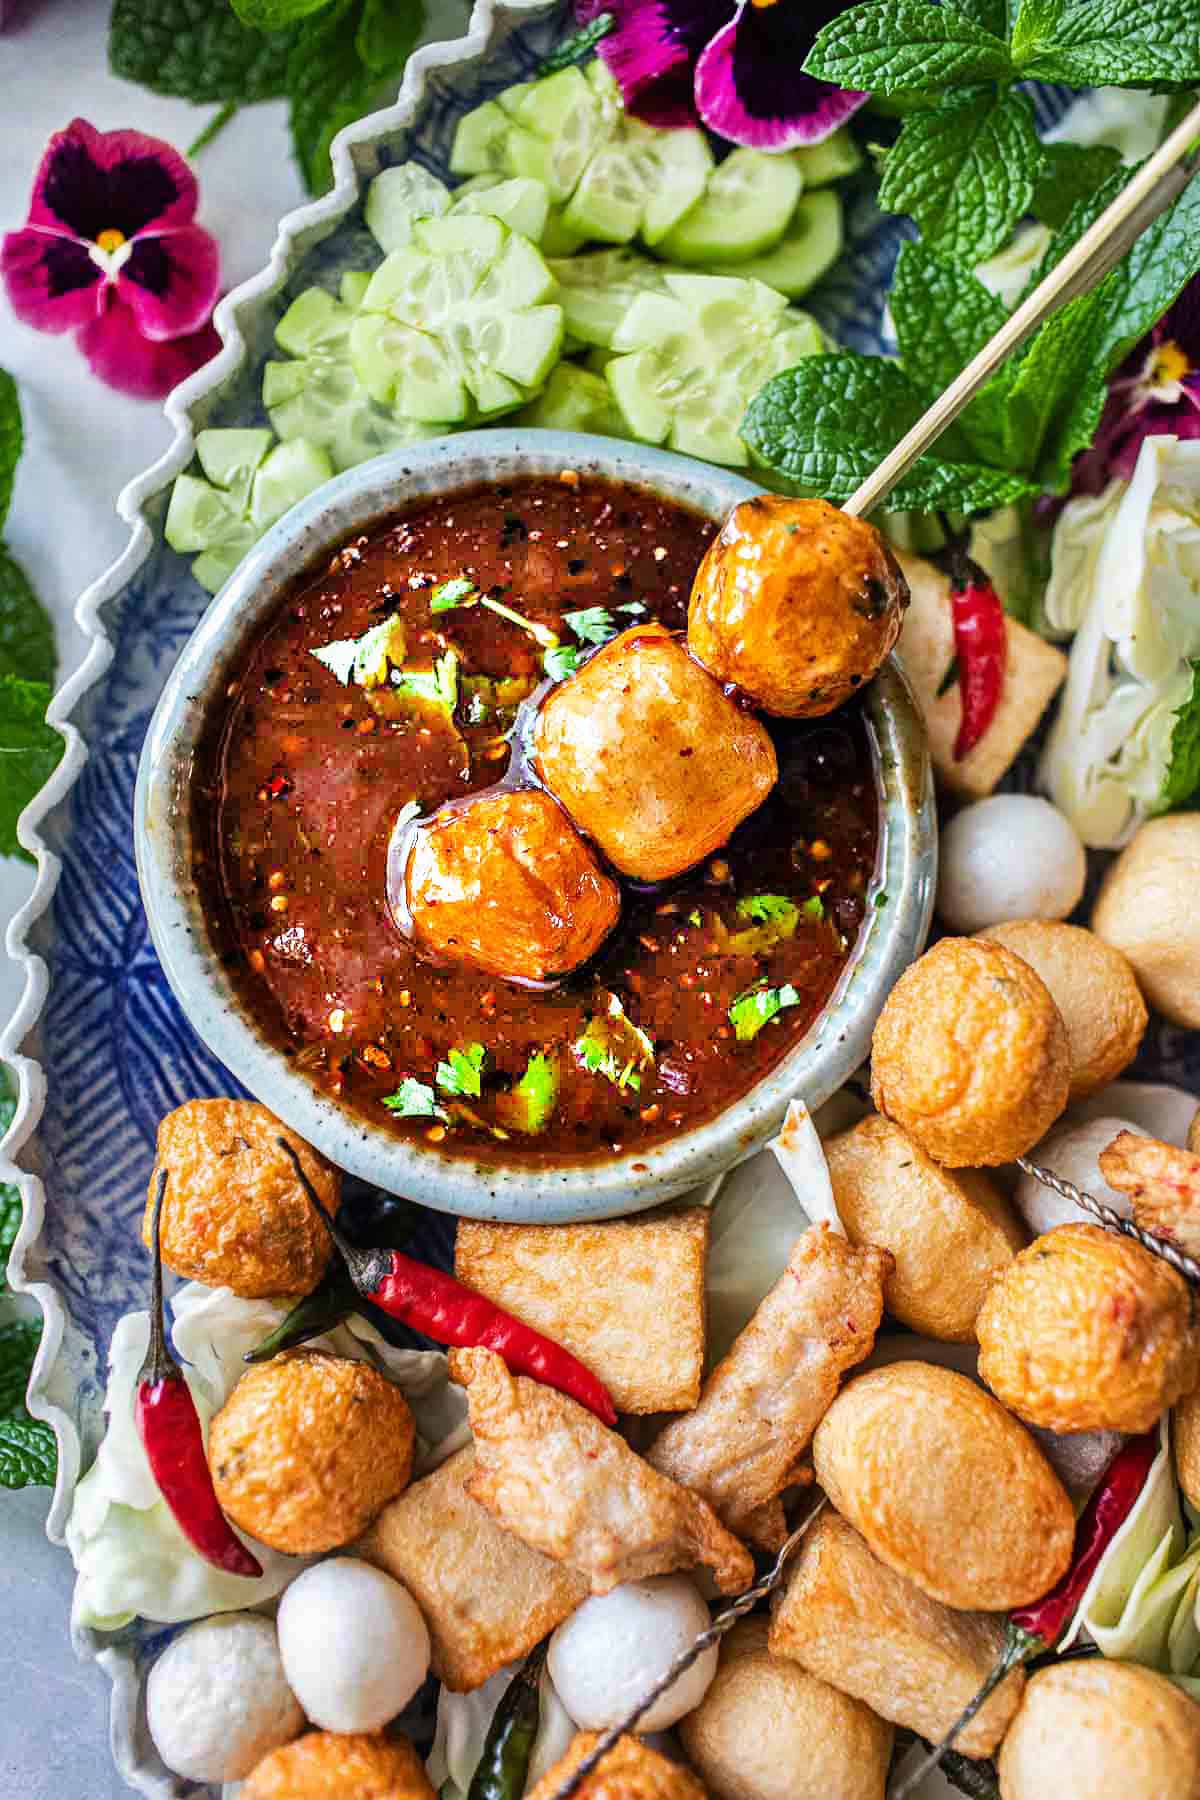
{"points": [[486, 1598], [625, 1296]]}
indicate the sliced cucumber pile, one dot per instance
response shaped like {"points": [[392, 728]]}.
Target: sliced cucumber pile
{"points": [[246, 486], [808, 248], [743, 211]]}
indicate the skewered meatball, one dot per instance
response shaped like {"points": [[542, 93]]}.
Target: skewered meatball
{"points": [[650, 757], [234, 1214], [506, 883], [308, 1448], [1086, 1331], [330, 1765], [1101, 1730], [970, 1054], [797, 603], [1186, 1438]]}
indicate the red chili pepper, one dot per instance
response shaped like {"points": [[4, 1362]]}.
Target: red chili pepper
{"points": [[980, 647], [1032, 1630], [451, 1313], [169, 1427]]}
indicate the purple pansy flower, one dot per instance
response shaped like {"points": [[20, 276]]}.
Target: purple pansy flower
{"points": [[1156, 389], [110, 249], [738, 67]]}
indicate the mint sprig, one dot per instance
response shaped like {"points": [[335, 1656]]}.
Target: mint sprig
{"points": [[965, 171], [1182, 780], [197, 50], [1124, 43], [906, 47], [27, 1450], [1071, 173]]}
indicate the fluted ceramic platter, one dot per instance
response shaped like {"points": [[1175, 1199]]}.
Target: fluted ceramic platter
{"points": [[100, 1046]]}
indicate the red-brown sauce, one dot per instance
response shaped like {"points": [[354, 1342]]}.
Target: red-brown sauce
{"points": [[299, 781]]}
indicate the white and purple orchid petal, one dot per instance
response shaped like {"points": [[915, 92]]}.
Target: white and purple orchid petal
{"points": [[652, 51], [750, 85], [51, 281], [93, 182], [169, 281], [123, 357]]}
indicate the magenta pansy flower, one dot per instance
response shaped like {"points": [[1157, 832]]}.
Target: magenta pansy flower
{"points": [[111, 249], [736, 67], [1156, 389]]}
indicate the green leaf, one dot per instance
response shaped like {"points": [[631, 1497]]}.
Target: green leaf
{"points": [[814, 906], [906, 47], [388, 33], [757, 1007], [461, 1073], [1071, 172], [965, 171], [197, 49], [274, 15], [414, 1100], [560, 662], [1182, 781], [1121, 43], [942, 314], [26, 632], [18, 1347], [825, 425], [578, 46], [765, 907], [10, 1194], [11, 440], [327, 88], [529, 1105], [992, 15], [29, 752], [593, 625], [439, 684], [28, 1455], [461, 591]]}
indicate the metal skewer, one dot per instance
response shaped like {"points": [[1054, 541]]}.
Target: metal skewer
{"points": [[1100, 248], [1162, 1247]]}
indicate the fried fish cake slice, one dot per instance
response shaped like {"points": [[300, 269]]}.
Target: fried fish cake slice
{"points": [[548, 1471], [763, 1401], [332, 1765], [1163, 1182], [630, 1771]]}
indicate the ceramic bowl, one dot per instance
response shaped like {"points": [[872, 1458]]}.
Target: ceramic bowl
{"points": [[833, 1047]]}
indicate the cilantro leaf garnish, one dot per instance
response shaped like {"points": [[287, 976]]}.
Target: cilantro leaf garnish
{"points": [[594, 625], [439, 684], [1182, 779], [814, 906], [461, 591], [560, 662], [414, 1099], [460, 1074], [365, 659], [765, 907], [757, 1006], [598, 1060], [532, 1100]]}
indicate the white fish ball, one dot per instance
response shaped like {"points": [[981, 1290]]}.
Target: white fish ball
{"points": [[354, 1645], [1011, 856], [609, 1653], [217, 1700], [1072, 1151]]}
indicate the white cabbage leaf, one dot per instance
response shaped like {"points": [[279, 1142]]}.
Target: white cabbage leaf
{"points": [[1131, 122], [464, 1720], [1006, 275]]}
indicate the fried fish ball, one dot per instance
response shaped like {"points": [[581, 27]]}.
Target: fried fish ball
{"points": [[506, 883], [1086, 1331], [850, 1620], [1185, 1437], [768, 1730], [949, 1230], [1101, 1730], [1163, 1182], [970, 1054], [332, 1765], [631, 1771], [945, 1486], [308, 1448], [1147, 909], [1193, 1137], [234, 1214], [796, 603], [1094, 988], [650, 756]]}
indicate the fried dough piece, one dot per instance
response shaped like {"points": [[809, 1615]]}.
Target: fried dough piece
{"points": [[626, 1296], [548, 1470], [333, 1765], [850, 1620], [630, 1771], [1163, 1182], [1101, 1730], [763, 1401], [1185, 1438]]}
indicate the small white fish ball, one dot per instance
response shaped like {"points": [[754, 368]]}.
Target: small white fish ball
{"points": [[354, 1645], [1072, 1151], [609, 1653], [1012, 856], [217, 1700]]}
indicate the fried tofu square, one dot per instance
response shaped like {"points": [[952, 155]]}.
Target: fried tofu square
{"points": [[625, 1296], [485, 1596], [548, 1470], [632, 1770], [1162, 1181]]}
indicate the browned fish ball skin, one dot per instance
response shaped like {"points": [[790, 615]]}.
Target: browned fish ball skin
{"points": [[796, 603], [1185, 1437], [234, 1215], [507, 884], [1086, 1331], [1147, 909], [970, 1054], [330, 1765], [768, 1730], [1095, 990], [649, 756], [946, 1487], [1101, 1730], [308, 1448], [632, 1770]]}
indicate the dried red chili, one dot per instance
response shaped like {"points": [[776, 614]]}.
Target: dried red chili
{"points": [[1032, 1630], [169, 1427], [451, 1313], [980, 645]]}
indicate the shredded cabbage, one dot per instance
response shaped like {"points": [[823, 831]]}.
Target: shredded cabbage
{"points": [[464, 1720]]}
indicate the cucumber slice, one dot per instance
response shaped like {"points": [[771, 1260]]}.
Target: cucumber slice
{"points": [[353, 286], [397, 198], [227, 455], [407, 370], [318, 396], [597, 290], [744, 210], [522, 204], [568, 113], [480, 140], [574, 400], [225, 515], [557, 239], [640, 181], [197, 515], [809, 247], [833, 157], [285, 476]]}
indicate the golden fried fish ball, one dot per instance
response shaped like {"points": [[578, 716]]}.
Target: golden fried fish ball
{"points": [[767, 1730], [1086, 1331], [650, 756], [506, 883], [234, 1215], [1193, 1137], [1101, 1730], [332, 1765], [945, 1486], [949, 1230], [308, 1448], [1094, 988], [1185, 1436], [632, 1770], [796, 603], [1147, 909], [970, 1054]]}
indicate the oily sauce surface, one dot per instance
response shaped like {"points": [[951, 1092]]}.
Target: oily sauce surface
{"points": [[299, 780]]}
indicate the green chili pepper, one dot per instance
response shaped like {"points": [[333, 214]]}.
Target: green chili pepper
{"points": [[504, 1765], [331, 1302]]}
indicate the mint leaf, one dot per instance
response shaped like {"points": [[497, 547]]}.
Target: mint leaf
{"points": [[906, 47], [18, 1347], [965, 171], [11, 439], [387, 34], [29, 752], [991, 14], [825, 425], [197, 49], [327, 88], [942, 314], [1121, 43], [461, 1073], [757, 1007], [28, 1454], [414, 1100], [273, 15], [1182, 781], [26, 633], [1070, 173]]}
